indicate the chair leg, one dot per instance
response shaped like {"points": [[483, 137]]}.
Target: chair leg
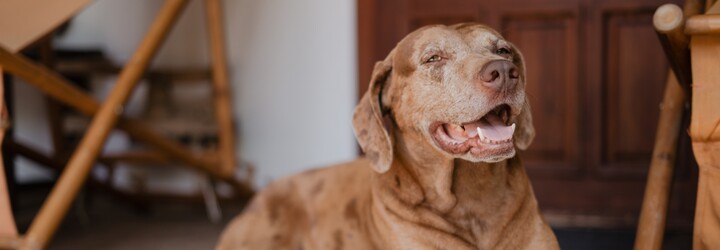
{"points": [[221, 86], [57, 203], [669, 22], [54, 110], [657, 190]]}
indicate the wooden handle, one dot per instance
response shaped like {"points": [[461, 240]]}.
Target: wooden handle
{"points": [[669, 21], [221, 88], [703, 25], [657, 190]]}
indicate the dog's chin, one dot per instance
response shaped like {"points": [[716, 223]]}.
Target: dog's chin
{"points": [[489, 156]]}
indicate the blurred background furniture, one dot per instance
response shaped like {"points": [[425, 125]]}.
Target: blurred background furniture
{"points": [[220, 162], [668, 20], [690, 39]]}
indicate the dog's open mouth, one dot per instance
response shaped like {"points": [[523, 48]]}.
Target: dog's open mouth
{"points": [[489, 135]]}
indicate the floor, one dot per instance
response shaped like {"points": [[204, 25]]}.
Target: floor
{"points": [[109, 223]]}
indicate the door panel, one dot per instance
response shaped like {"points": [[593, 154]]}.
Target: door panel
{"points": [[548, 37], [632, 70]]}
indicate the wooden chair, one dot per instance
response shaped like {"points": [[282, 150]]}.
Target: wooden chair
{"points": [[108, 114], [691, 41]]}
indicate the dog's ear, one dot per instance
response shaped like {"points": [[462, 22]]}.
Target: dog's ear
{"points": [[370, 131], [525, 131]]}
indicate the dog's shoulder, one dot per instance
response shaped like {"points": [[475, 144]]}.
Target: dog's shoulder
{"points": [[340, 179]]}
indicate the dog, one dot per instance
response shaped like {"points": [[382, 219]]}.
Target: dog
{"points": [[440, 125]]}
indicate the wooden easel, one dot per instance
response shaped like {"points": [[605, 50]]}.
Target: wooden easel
{"points": [[691, 41], [108, 115]]}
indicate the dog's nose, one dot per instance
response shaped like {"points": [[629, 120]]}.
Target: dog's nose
{"points": [[499, 74]]}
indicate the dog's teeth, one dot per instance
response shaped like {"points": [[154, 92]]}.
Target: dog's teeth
{"points": [[481, 137]]}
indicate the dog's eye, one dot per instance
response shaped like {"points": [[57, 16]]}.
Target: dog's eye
{"points": [[502, 51], [434, 58]]}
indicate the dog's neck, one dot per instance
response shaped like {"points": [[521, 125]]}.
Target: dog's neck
{"points": [[429, 171], [444, 182], [451, 191]]}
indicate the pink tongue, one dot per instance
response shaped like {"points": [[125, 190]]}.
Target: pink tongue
{"points": [[492, 128]]}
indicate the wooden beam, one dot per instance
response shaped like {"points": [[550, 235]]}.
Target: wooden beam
{"points": [[221, 86], [34, 155], [147, 157], [48, 82], [58, 202]]}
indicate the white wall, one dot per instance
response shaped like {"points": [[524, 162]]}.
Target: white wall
{"points": [[292, 64], [297, 65]]}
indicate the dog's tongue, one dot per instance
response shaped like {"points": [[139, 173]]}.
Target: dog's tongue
{"points": [[491, 127]]}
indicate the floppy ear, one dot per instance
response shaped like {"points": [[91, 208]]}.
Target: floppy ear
{"points": [[368, 120], [525, 131]]}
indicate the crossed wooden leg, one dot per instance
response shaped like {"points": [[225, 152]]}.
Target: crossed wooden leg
{"points": [[108, 115]]}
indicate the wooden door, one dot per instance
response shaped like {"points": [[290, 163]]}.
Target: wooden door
{"points": [[596, 74]]}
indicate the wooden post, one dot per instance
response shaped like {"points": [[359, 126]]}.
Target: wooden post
{"points": [[705, 134], [7, 221], [221, 86], [653, 214], [705, 123], [54, 110], [57, 203]]}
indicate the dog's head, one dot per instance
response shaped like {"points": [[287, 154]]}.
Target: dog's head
{"points": [[457, 90]]}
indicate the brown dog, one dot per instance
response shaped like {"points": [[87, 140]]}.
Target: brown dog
{"points": [[440, 123]]}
